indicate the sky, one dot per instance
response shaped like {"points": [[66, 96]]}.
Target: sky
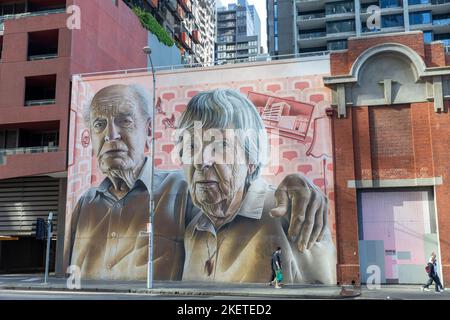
{"points": [[261, 9]]}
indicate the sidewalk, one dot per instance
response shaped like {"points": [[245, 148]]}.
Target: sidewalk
{"points": [[185, 289]]}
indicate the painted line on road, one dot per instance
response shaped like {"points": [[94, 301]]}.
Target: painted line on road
{"points": [[31, 280]]}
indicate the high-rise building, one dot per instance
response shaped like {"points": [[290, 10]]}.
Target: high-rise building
{"points": [[296, 26], [190, 23], [38, 56], [237, 35]]}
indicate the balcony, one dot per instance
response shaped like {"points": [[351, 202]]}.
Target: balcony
{"points": [[186, 41], [312, 35], [43, 45], [154, 3], [196, 36], [179, 13], [29, 140], [441, 22], [311, 16], [40, 90], [186, 4]]}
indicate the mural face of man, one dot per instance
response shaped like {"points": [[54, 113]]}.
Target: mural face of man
{"points": [[217, 185], [119, 131]]}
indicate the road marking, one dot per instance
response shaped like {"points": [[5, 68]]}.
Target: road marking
{"points": [[31, 280]]}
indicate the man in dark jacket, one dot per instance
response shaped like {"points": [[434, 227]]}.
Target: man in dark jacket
{"points": [[276, 266], [433, 275]]}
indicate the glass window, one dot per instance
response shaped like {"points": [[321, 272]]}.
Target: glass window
{"points": [[276, 43], [275, 28], [428, 36], [341, 26], [275, 11], [413, 2], [337, 45], [391, 3], [339, 7], [420, 17], [393, 20]]}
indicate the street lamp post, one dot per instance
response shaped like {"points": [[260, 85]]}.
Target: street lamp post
{"points": [[148, 51]]}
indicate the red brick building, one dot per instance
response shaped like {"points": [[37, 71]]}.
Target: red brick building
{"points": [[39, 54], [391, 131]]}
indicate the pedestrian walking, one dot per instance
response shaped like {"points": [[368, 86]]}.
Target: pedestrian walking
{"points": [[277, 269], [431, 270]]}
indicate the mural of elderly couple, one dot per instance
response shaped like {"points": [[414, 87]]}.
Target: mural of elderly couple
{"points": [[214, 220]]}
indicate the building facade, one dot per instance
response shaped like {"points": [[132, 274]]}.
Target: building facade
{"points": [[39, 54], [311, 26], [237, 35], [190, 23], [391, 141]]}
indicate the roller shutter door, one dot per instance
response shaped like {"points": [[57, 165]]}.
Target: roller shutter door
{"points": [[23, 200]]}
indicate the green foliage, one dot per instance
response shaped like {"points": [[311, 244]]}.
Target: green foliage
{"points": [[151, 24]]}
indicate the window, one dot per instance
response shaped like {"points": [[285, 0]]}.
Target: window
{"points": [[253, 51], [420, 17], [413, 2], [275, 10], [393, 20], [43, 44], [391, 3], [337, 45], [341, 26], [441, 19], [40, 90], [221, 47], [339, 7], [428, 36], [221, 55], [276, 43]]}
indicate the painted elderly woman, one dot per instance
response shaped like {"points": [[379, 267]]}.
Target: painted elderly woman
{"points": [[221, 142]]}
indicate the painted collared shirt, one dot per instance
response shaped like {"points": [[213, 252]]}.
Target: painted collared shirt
{"points": [[108, 234], [241, 250]]}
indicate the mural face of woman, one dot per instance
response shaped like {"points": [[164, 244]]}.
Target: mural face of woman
{"points": [[216, 172]]}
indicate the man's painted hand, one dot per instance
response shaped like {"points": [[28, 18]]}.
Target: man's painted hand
{"points": [[305, 206]]}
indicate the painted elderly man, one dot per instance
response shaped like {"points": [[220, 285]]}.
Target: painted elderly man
{"points": [[108, 239], [232, 239]]}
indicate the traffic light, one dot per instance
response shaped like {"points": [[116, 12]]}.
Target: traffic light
{"points": [[41, 229]]}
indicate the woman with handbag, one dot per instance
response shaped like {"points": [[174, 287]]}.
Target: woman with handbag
{"points": [[277, 270]]}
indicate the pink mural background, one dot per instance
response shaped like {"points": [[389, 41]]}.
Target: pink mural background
{"points": [[293, 109]]}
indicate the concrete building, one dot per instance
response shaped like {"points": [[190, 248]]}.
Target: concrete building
{"points": [[318, 25], [237, 35], [39, 54], [190, 23], [391, 130]]}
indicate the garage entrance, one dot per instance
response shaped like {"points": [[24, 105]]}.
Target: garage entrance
{"points": [[397, 233]]}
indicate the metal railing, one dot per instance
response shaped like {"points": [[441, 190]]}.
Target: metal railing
{"points": [[43, 56], [438, 2], [441, 22], [29, 150], [312, 35], [32, 14], [261, 58], [41, 102], [311, 16]]}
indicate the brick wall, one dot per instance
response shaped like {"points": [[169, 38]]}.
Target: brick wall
{"points": [[435, 55], [391, 142]]}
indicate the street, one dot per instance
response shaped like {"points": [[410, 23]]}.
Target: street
{"points": [[391, 292]]}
